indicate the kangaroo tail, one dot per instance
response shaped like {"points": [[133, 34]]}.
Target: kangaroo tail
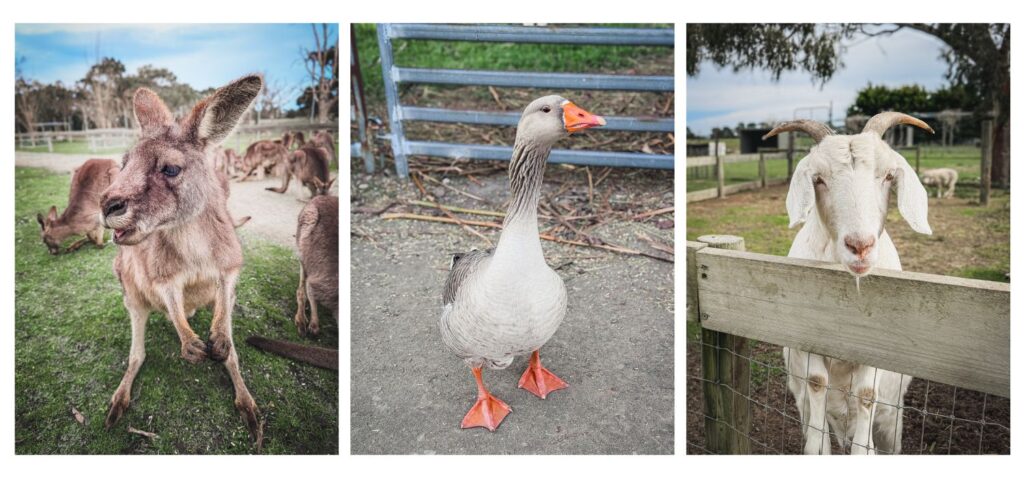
{"points": [[316, 356]]}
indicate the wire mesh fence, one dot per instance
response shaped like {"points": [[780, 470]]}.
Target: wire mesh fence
{"points": [[937, 418]]}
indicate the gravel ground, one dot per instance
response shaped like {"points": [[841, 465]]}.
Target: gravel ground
{"points": [[614, 349]]}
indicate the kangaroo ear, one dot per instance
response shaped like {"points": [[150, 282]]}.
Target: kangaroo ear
{"points": [[150, 111], [42, 222], [318, 183], [213, 119], [330, 183], [911, 196], [52, 215], [801, 194]]}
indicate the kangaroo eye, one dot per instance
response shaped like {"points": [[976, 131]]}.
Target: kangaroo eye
{"points": [[546, 109], [170, 170]]}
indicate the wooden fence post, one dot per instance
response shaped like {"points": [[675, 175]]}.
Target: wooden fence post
{"points": [[726, 371], [720, 172], [762, 170], [986, 162]]}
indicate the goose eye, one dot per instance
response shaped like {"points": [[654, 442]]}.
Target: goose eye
{"points": [[546, 109], [171, 170]]}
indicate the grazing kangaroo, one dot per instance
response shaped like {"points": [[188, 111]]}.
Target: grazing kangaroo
{"points": [[263, 156], [309, 165], [179, 251], [317, 240], [82, 216]]}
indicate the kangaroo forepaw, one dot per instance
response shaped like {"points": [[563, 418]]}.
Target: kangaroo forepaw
{"points": [[219, 346], [313, 328], [118, 404], [300, 324], [194, 350]]}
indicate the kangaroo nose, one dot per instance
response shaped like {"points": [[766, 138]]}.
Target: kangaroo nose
{"points": [[859, 246], [114, 207]]}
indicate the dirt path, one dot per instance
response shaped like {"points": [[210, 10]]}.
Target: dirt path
{"points": [[273, 215]]}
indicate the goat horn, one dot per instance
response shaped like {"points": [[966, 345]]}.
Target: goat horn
{"points": [[881, 122], [815, 129]]}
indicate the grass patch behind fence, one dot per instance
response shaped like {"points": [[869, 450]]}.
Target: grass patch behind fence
{"points": [[71, 347], [496, 56], [965, 159]]}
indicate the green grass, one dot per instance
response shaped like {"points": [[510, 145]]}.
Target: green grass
{"points": [[71, 348], [492, 56], [966, 160], [68, 147]]}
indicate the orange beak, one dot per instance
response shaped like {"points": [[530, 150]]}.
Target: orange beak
{"points": [[579, 119]]}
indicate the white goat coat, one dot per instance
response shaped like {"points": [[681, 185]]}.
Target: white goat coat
{"points": [[845, 417]]}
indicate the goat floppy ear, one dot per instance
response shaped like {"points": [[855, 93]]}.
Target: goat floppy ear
{"points": [[214, 118], [801, 194], [911, 196]]}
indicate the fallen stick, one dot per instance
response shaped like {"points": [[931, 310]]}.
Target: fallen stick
{"points": [[146, 434], [546, 237], [656, 212], [450, 188], [477, 212], [450, 215]]}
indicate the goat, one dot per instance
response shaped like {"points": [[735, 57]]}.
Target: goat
{"points": [[941, 178], [178, 249], [82, 216], [317, 240], [309, 165], [840, 193]]}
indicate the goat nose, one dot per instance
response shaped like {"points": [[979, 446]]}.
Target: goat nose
{"points": [[859, 245], [114, 207]]}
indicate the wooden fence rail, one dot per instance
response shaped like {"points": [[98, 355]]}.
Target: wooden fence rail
{"points": [[945, 329]]}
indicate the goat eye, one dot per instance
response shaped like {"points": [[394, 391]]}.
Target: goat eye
{"points": [[171, 170], [546, 109]]}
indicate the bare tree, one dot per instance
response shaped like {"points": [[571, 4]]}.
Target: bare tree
{"points": [[270, 102], [322, 65], [26, 101]]}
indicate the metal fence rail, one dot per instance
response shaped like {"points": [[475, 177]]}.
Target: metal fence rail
{"points": [[395, 75]]}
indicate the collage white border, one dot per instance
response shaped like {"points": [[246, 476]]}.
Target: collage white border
{"points": [[588, 11]]}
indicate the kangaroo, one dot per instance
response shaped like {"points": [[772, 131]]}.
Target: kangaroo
{"points": [[263, 156], [309, 165], [324, 139], [178, 249], [82, 216], [317, 240]]}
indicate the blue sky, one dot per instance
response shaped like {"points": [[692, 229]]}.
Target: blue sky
{"points": [[202, 55], [723, 98]]}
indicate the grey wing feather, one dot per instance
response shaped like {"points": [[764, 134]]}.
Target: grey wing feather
{"points": [[462, 266]]}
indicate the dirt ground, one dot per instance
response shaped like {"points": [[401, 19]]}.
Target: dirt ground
{"points": [[615, 347], [938, 419], [273, 215]]}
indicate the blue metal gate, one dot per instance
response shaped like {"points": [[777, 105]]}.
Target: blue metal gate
{"points": [[394, 75]]}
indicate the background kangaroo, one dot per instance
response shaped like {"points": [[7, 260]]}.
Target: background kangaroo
{"points": [[82, 216], [179, 251], [317, 238], [309, 164]]}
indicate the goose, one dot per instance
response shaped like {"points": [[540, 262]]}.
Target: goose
{"points": [[504, 302]]}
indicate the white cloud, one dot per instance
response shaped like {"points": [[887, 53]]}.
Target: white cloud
{"points": [[722, 97]]}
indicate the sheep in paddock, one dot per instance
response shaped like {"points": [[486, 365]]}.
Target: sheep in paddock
{"points": [[942, 178], [840, 193]]}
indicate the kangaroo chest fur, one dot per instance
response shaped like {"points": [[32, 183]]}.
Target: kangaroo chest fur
{"points": [[191, 257]]}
